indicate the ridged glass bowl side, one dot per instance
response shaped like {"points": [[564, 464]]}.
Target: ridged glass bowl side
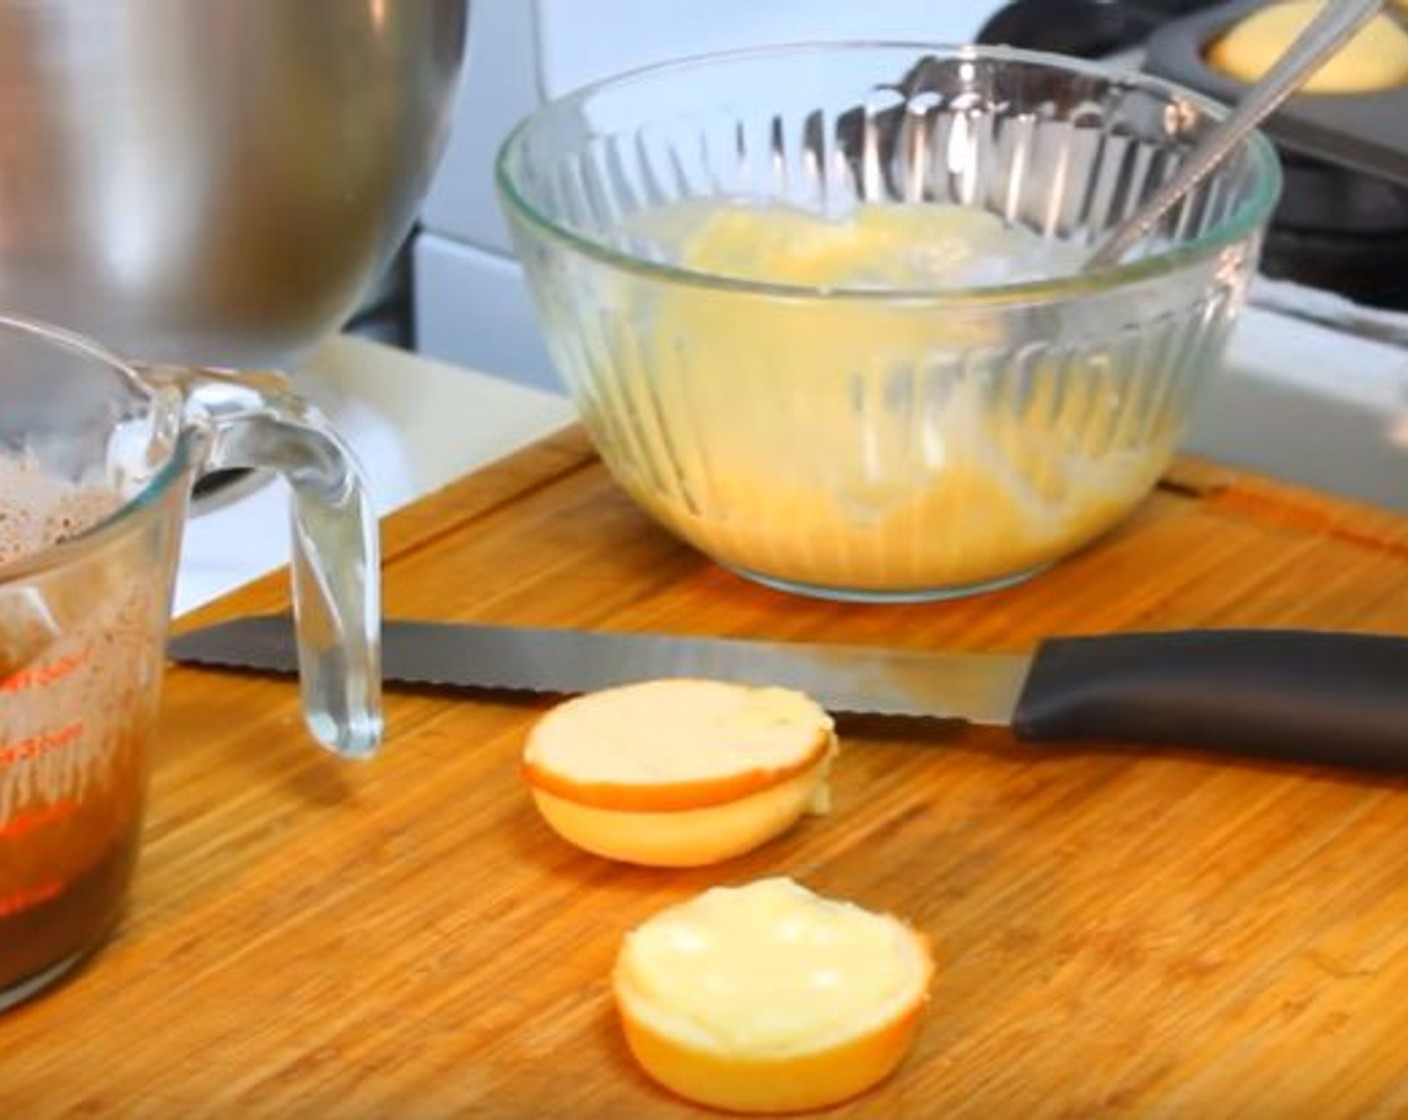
{"points": [[879, 443]]}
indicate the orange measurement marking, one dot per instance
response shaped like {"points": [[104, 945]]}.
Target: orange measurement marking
{"points": [[40, 744], [46, 672], [27, 820], [26, 897]]}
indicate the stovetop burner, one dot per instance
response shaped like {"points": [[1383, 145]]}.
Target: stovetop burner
{"points": [[1342, 231]]}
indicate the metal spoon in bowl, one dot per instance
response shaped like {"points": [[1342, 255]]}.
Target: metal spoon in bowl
{"points": [[1325, 34]]}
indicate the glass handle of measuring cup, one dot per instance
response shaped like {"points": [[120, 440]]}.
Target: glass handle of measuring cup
{"points": [[256, 419]]}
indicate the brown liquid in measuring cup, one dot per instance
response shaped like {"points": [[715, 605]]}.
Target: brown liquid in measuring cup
{"points": [[65, 923], [75, 714]]}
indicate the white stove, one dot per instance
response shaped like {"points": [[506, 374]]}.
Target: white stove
{"points": [[1311, 405]]}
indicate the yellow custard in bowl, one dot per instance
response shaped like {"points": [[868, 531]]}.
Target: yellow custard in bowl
{"points": [[821, 312], [853, 444]]}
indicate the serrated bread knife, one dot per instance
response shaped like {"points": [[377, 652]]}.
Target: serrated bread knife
{"points": [[1306, 696]]}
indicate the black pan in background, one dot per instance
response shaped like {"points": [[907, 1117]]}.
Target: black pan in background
{"points": [[1366, 132], [1336, 228], [1083, 28]]}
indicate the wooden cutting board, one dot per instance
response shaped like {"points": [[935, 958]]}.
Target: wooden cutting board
{"points": [[1121, 932]]}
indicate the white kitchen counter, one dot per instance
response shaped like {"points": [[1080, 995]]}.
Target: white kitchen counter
{"points": [[415, 425]]}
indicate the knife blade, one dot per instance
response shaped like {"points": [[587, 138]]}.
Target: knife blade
{"points": [[1322, 697]]}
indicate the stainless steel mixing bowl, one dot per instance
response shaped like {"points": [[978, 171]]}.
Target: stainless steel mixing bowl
{"points": [[214, 181]]}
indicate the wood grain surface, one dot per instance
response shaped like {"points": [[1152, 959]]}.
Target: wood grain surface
{"points": [[1121, 932]]}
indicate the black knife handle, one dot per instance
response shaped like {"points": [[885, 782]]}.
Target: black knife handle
{"points": [[1305, 696]]}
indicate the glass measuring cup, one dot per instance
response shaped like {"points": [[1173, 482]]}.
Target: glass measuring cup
{"points": [[97, 457]]}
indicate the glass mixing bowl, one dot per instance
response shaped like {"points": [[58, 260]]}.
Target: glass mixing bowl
{"points": [[859, 435]]}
